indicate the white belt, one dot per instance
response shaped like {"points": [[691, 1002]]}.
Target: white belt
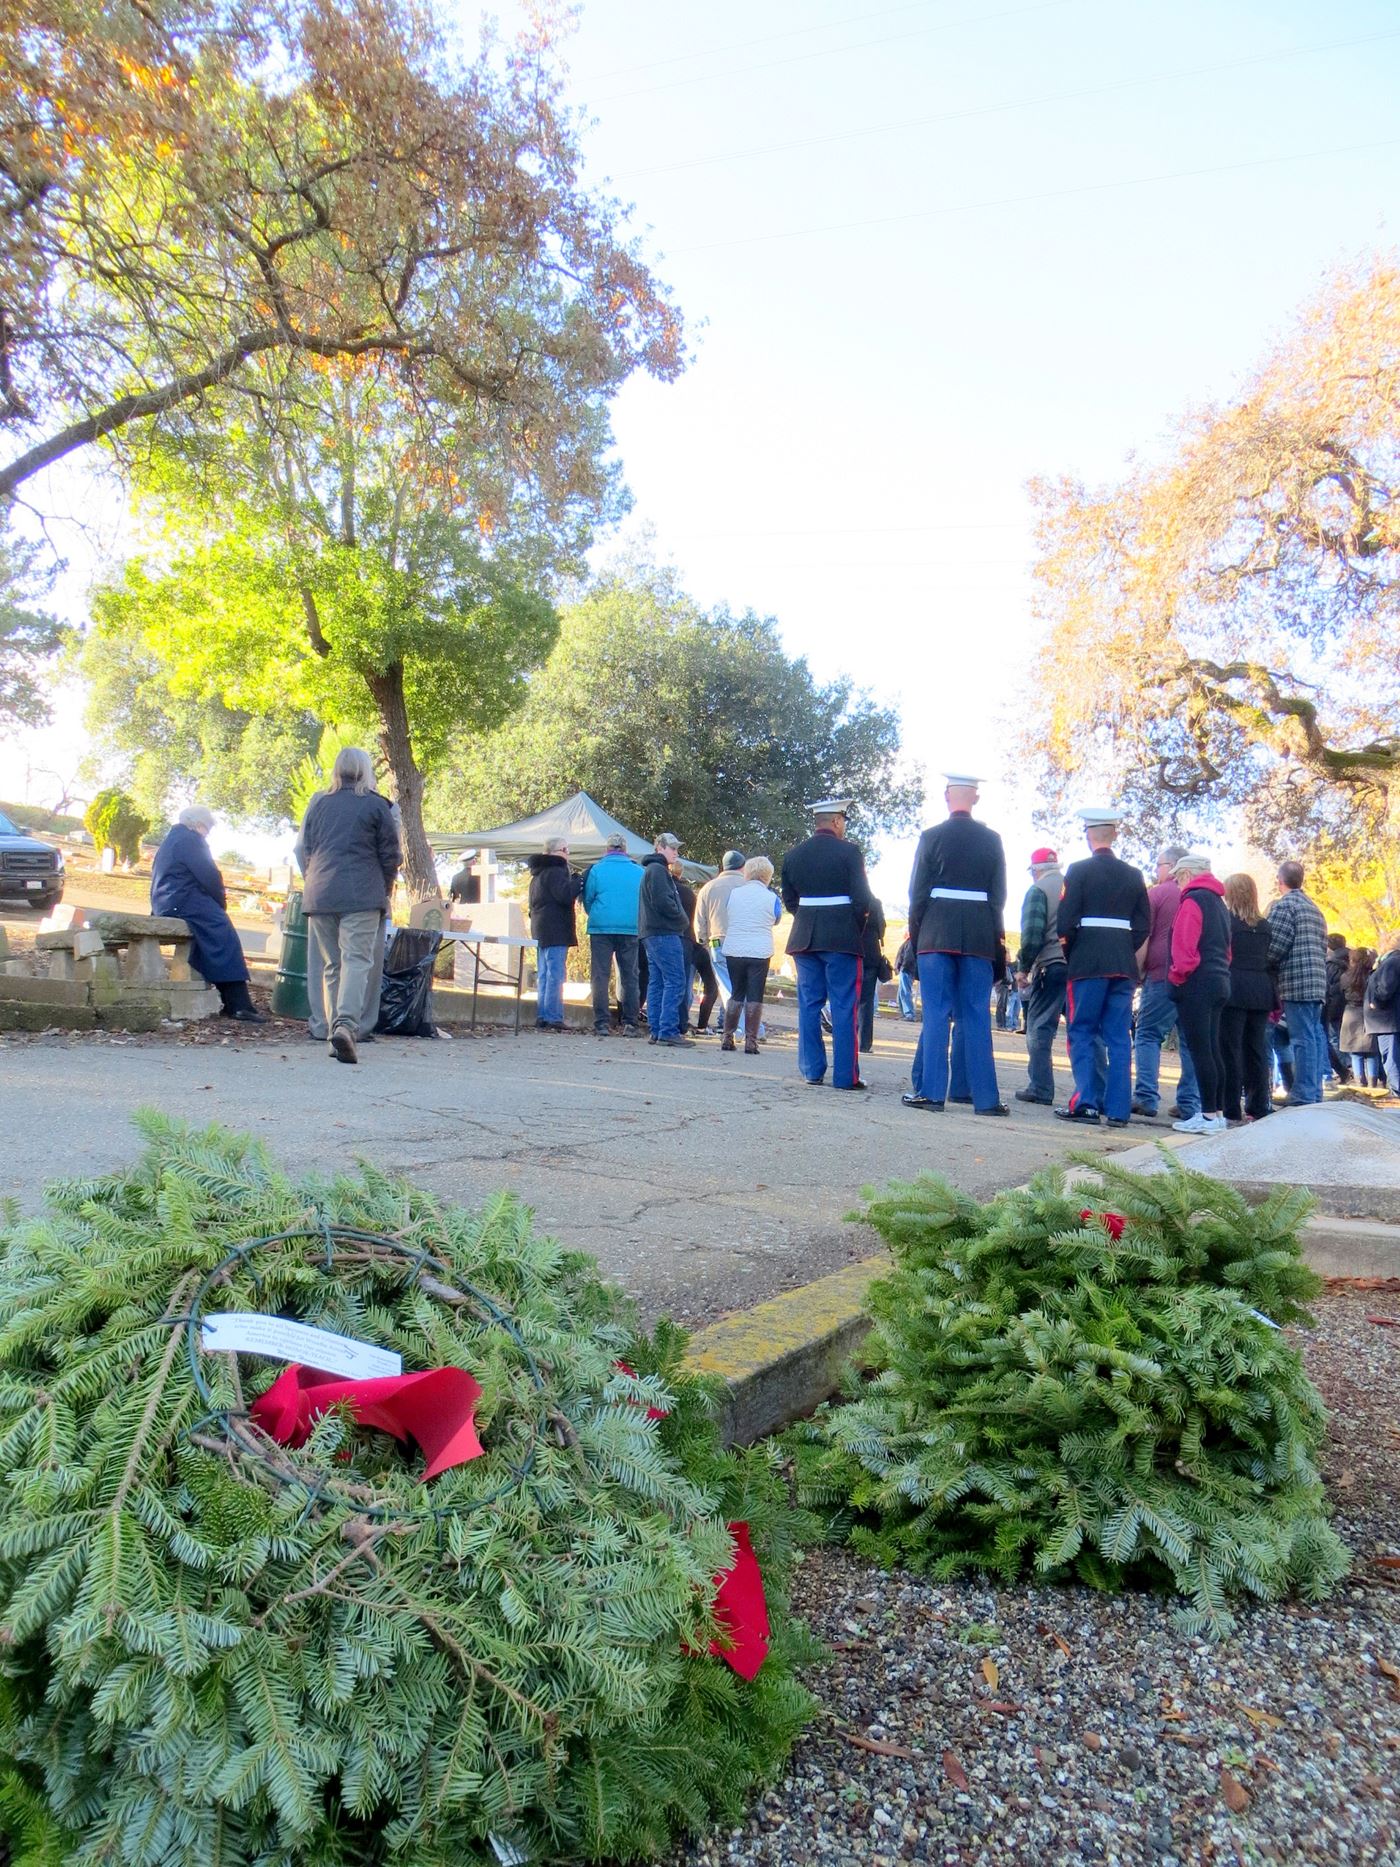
{"points": [[957, 894], [1097, 920], [823, 901]]}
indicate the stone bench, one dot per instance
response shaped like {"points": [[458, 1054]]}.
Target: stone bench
{"points": [[136, 941]]}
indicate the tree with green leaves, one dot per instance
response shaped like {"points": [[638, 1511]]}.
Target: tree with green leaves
{"points": [[195, 192], [1088, 1382], [115, 821], [1223, 623], [29, 638], [681, 719]]}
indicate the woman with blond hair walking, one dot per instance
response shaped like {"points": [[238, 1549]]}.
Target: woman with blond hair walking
{"points": [[751, 914]]}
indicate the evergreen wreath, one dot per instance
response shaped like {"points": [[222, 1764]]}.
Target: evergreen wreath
{"points": [[1088, 1382], [217, 1649]]}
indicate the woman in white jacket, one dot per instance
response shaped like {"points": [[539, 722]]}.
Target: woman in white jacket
{"points": [[752, 910]]}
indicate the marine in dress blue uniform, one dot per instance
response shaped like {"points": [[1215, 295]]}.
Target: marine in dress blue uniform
{"points": [[1104, 918], [957, 895], [824, 888]]}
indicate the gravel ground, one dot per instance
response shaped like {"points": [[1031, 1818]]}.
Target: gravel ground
{"points": [[1060, 1728]]}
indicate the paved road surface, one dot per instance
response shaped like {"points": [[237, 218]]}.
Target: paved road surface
{"points": [[703, 1182]]}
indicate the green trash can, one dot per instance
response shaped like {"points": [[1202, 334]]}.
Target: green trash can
{"points": [[289, 998]]}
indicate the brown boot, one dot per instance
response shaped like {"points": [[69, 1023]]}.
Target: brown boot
{"points": [[732, 1013], [753, 1017]]}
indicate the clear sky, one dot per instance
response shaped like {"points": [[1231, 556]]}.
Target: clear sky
{"points": [[934, 250]]}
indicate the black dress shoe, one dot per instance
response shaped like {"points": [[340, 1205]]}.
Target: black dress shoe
{"points": [[859, 1083], [965, 1099], [1078, 1114], [249, 1014], [912, 1101], [1024, 1095], [997, 1108], [1118, 1121]]}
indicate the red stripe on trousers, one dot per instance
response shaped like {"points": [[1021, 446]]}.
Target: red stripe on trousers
{"points": [[1069, 1000], [855, 1018]]}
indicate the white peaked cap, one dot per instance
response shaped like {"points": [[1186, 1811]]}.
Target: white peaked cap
{"points": [[1100, 815], [961, 777], [829, 807]]}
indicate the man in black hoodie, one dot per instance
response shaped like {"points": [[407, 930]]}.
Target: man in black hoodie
{"points": [[664, 927], [554, 889]]}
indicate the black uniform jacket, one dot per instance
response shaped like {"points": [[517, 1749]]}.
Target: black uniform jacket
{"points": [[965, 855], [1102, 887], [826, 865]]}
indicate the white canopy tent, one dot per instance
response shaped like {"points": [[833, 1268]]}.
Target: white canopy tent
{"points": [[584, 825]]}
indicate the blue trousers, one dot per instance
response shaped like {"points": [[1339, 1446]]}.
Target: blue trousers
{"points": [[906, 997], [665, 984], [957, 1072], [957, 985], [1304, 1020], [1101, 1012], [827, 979], [549, 983], [1156, 1020]]}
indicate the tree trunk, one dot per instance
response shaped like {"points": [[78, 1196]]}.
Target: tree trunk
{"points": [[396, 743]]}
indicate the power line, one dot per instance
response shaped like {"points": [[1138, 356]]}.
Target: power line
{"points": [[1048, 194], [839, 51], [743, 45], [1025, 103]]}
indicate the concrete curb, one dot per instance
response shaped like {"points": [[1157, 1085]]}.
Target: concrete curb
{"points": [[781, 1359]]}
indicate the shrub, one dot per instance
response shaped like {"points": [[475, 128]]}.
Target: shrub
{"points": [[216, 1648], [1055, 1398], [116, 822]]}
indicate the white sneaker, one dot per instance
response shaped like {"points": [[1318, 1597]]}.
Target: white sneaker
{"points": [[1193, 1124], [1215, 1124]]}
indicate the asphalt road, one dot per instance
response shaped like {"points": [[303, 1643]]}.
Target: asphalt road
{"points": [[702, 1182]]}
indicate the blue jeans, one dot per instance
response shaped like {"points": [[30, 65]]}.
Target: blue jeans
{"points": [[721, 965], [665, 983], [827, 979], [1156, 1020], [1100, 1013], [906, 998], [549, 984], [1390, 1060], [957, 985], [1303, 1016]]}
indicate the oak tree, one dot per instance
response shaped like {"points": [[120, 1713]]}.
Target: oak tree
{"points": [[1224, 625]]}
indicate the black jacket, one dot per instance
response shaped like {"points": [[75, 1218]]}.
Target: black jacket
{"points": [[1103, 887], [826, 865], [659, 909], [965, 855], [349, 853], [1335, 1004], [872, 943], [1383, 996], [554, 888], [1252, 985]]}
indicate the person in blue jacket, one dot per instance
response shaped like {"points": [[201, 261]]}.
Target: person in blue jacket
{"points": [[186, 884], [610, 891]]}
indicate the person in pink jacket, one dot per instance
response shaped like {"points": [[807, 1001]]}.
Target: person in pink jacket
{"points": [[1199, 975]]}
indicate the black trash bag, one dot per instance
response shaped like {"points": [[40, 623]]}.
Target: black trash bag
{"points": [[406, 992]]}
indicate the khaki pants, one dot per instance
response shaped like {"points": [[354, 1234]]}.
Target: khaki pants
{"points": [[344, 965]]}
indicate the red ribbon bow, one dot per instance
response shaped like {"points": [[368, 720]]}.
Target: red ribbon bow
{"points": [[1113, 1222], [436, 1407], [653, 1413], [741, 1609]]}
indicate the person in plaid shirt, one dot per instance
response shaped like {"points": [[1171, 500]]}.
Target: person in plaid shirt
{"points": [[1298, 954]]}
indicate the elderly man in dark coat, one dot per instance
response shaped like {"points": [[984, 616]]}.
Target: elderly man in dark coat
{"points": [[186, 884]]}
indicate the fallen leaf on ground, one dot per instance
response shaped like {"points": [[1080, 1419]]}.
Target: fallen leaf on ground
{"points": [[1063, 1645], [1189, 1738], [954, 1771], [880, 1746], [1389, 1668], [1262, 1720], [1235, 1795], [1385, 1322], [1006, 1710], [1386, 1562], [990, 1672]]}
